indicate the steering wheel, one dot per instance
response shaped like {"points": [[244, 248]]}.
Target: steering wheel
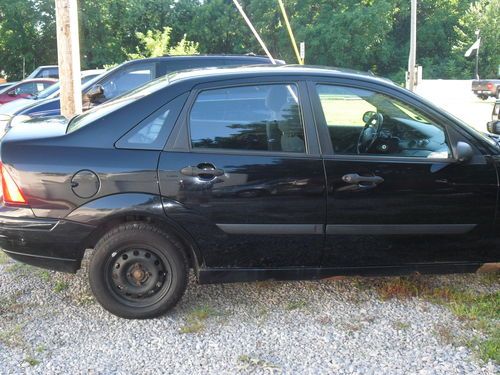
{"points": [[370, 132]]}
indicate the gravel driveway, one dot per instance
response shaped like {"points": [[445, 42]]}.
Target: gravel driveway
{"points": [[49, 323]]}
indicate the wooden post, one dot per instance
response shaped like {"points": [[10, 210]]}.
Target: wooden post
{"points": [[68, 51], [413, 46]]}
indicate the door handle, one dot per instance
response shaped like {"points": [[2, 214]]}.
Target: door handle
{"points": [[356, 179], [204, 170]]}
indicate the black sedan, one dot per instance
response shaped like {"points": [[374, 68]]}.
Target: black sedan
{"points": [[249, 174]]}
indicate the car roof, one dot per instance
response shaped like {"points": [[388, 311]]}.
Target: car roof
{"points": [[199, 57], [271, 70], [38, 80], [91, 72]]}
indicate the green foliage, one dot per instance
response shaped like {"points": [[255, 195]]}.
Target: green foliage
{"points": [[157, 43], [360, 34]]}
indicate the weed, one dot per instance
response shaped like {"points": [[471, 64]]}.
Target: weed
{"points": [[192, 327], [84, 299], [40, 349], [195, 320], [44, 275], [490, 278], [61, 286], [295, 305], [32, 361], [4, 259], [12, 336], [19, 268], [10, 305], [445, 334], [488, 348], [480, 311], [247, 362], [401, 326]]}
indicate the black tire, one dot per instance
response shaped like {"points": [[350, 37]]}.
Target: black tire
{"points": [[497, 96], [138, 271]]}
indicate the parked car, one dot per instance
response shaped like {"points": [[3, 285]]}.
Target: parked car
{"points": [[494, 125], [4, 85], [379, 180], [25, 89], [46, 71], [10, 109], [484, 88], [132, 74]]}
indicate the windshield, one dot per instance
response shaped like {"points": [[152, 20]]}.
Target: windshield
{"points": [[54, 89], [48, 91], [90, 116]]}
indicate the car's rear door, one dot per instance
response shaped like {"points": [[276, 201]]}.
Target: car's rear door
{"points": [[405, 199], [242, 174]]}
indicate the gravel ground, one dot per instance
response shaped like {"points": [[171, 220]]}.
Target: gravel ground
{"points": [[50, 324]]}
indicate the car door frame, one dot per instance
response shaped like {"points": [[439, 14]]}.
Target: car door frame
{"points": [[454, 134], [179, 141], [180, 136]]}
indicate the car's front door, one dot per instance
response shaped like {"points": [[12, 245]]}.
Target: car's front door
{"points": [[396, 193], [242, 174]]}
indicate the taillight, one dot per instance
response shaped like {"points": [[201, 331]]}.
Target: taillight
{"points": [[489, 85], [11, 192]]}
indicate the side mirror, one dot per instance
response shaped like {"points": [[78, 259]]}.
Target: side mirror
{"points": [[495, 114], [493, 127], [464, 152], [11, 93], [95, 92]]}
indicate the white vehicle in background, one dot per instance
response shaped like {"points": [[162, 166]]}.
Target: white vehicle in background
{"points": [[45, 71]]}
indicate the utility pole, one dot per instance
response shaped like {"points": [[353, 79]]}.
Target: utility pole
{"points": [[413, 46], [478, 41], [68, 51]]}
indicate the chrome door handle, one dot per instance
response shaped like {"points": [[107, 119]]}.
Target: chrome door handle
{"points": [[354, 178]]}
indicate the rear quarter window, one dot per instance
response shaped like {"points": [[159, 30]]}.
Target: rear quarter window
{"points": [[152, 133]]}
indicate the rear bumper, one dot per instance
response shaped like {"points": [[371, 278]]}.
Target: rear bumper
{"points": [[52, 244]]}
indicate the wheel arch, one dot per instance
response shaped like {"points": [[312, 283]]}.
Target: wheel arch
{"points": [[107, 212], [195, 257]]}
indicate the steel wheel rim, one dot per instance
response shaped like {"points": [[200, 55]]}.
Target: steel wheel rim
{"points": [[138, 276]]}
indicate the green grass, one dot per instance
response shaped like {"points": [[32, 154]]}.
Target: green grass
{"points": [[12, 336], [401, 326], [195, 320], [480, 311], [9, 305], [60, 286], [32, 361], [44, 275], [3, 258], [295, 305]]}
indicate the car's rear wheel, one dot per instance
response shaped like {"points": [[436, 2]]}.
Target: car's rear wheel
{"points": [[138, 271]]}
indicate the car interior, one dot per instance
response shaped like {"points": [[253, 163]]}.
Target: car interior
{"points": [[265, 117], [365, 122]]}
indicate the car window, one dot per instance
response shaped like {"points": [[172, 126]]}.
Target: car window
{"points": [[259, 118], [366, 122], [152, 133], [53, 73], [26, 88], [124, 80]]}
